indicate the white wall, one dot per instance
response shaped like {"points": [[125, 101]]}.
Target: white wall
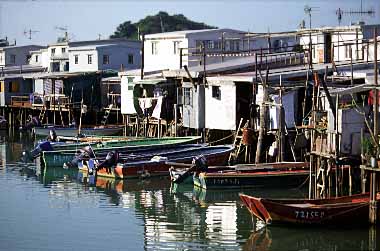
{"points": [[127, 106], [316, 49], [83, 64], [190, 111], [39, 86], [36, 58], [221, 114], [346, 38], [165, 57], [58, 56]]}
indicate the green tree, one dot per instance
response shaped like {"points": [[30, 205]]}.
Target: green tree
{"points": [[162, 22]]}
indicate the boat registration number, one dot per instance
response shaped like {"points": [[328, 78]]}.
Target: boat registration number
{"points": [[306, 214]]}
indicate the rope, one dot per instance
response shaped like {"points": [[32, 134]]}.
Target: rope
{"points": [[221, 139], [303, 183]]}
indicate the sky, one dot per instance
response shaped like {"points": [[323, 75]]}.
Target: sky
{"points": [[89, 19]]}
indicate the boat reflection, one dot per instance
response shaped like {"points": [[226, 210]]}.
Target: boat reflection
{"points": [[281, 238]]}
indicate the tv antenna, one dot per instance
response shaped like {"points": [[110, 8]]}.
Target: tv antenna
{"points": [[65, 30], [361, 12], [29, 33], [308, 10]]}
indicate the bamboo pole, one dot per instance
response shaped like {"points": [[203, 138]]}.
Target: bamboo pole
{"points": [[373, 185], [281, 125], [262, 129]]}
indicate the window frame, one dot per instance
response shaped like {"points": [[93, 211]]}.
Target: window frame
{"points": [[187, 96], [106, 59], [176, 47], [216, 92], [89, 58], [131, 58], [154, 47], [13, 58]]}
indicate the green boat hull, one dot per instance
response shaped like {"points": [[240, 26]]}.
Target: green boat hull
{"points": [[59, 157]]}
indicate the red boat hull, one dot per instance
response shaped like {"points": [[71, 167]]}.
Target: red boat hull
{"points": [[336, 211]]}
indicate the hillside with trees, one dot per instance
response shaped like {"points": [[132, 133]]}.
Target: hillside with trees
{"points": [[162, 22]]}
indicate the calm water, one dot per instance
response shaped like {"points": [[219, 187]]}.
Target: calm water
{"points": [[62, 210]]}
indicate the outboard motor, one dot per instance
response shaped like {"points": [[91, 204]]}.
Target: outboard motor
{"points": [[32, 122], [52, 135], [85, 153], [200, 163], [110, 161], [40, 147]]}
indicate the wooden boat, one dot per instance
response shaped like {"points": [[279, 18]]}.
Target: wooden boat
{"points": [[60, 156], [95, 138], [261, 175], [48, 146], [73, 131], [335, 211], [158, 166], [251, 175]]}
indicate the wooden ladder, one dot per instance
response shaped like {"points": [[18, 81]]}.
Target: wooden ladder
{"points": [[237, 141], [106, 115], [42, 114]]}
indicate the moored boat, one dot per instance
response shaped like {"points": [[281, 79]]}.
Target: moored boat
{"points": [[59, 157], [248, 175], [158, 165], [73, 131], [334, 211], [260, 175]]}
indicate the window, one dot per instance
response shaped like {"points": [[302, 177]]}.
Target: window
{"points": [[63, 50], [187, 96], [52, 51], [154, 48], [89, 59], [76, 59], [347, 50], [106, 59], [216, 93], [209, 44], [13, 86], [237, 45], [176, 47], [130, 58], [218, 45], [36, 58], [13, 59]]}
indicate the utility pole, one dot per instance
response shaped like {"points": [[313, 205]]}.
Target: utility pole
{"points": [[308, 11]]}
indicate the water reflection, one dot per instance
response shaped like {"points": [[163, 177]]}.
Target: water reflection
{"points": [[158, 214], [282, 238]]}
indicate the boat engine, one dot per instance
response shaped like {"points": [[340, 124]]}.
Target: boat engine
{"points": [[85, 153], [38, 149], [52, 135], [200, 163], [32, 122], [111, 160]]}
